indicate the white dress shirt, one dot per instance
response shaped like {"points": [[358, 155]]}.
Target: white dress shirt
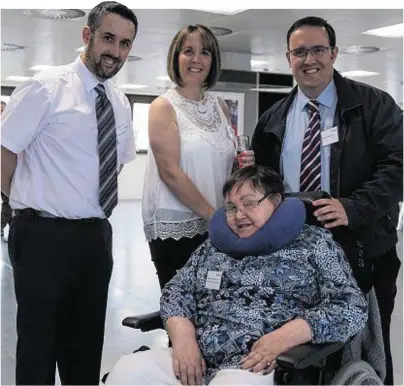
{"points": [[297, 121], [50, 123]]}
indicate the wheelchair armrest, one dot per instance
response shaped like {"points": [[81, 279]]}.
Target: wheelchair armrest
{"points": [[308, 197], [305, 355], [146, 322]]}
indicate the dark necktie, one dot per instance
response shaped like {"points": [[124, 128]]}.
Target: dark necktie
{"points": [[310, 170], [108, 181]]}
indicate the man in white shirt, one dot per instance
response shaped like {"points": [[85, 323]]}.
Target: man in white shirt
{"points": [[66, 133]]}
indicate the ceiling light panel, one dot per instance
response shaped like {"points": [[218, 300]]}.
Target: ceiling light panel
{"points": [[391, 31], [133, 86], [18, 78], [41, 67], [359, 73], [228, 11]]}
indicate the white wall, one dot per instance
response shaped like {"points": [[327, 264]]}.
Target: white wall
{"points": [[130, 180]]}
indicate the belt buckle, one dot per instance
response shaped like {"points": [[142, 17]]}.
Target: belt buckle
{"points": [[90, 220]]}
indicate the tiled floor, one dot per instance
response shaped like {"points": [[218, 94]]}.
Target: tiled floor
{"points": [[134, 290]]}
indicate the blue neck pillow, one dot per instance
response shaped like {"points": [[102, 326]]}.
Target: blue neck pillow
{"points": [[282, 228]]}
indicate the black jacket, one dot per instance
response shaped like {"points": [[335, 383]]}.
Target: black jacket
{"points": [[366, 166]]}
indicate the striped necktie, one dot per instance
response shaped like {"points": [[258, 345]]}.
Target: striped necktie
{"points": [[310, 170], [108, 180]]}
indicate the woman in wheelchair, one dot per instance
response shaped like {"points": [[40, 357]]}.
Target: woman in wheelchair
{"points": [[262, 283]]}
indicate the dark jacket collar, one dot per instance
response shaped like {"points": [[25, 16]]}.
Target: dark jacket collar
{"points": [[347, 96], [348, 99]]}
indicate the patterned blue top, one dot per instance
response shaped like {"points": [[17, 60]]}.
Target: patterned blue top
{"points": [[308, 279]]}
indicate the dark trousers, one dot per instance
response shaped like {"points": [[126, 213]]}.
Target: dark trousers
{"points": [[5, 212], [62, 270], [169, 255], [385, 272]]}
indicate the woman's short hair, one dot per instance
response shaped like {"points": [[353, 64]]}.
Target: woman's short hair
{"points": [[209, 41], [262, 178]]}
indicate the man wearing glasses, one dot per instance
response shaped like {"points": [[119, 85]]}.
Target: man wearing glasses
{"points": [[343, 137]]}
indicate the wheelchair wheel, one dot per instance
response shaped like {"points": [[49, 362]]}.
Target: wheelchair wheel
{"points": [[356, 373]]}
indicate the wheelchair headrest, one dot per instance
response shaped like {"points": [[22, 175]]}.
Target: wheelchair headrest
{"points": [[308, 198]]}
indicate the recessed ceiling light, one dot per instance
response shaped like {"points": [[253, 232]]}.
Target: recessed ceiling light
{"points": [[130, 85], [391, 31], [164, 77], [41, 67], [221, 31], [17, 78], [133, 58], [58, 14], [359, 50], [358, 73], [228, 11], [11, 47]]}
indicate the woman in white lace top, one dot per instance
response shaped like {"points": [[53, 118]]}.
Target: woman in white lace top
{"points": [[191, 152]]}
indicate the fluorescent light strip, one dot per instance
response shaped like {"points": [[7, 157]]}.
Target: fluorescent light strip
{"points": [[165, 77], [130, 85], [258, 63], [229, 12], [358, 73], [41, 67], [18, 78], [81, 49], [275, 89], [391, 31]]}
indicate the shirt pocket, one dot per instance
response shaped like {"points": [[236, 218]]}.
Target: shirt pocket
{"points": [[71, 121]]}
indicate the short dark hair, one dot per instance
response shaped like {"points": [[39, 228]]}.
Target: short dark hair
{"points": [[95, 16], [262, 178], [3, 103], [313, 21], [209, 41]]}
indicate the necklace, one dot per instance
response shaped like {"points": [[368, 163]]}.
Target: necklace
{"points": [[202, 108]]}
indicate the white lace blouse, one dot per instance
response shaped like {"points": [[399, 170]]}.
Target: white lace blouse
{"points": [[207, 154]]}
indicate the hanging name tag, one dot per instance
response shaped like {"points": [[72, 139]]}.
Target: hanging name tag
{"points": [[213, 280], [329, 136]]}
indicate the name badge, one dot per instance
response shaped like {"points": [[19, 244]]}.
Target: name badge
{"points": [[213, 280], [329, 136]]}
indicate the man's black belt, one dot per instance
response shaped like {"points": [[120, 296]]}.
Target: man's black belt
{"points": [[29, 212]]}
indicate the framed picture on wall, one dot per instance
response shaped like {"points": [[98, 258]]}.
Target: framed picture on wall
{"points": [[235, 101]]}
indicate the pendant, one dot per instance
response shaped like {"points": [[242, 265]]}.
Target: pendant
{"points": [[202, 108]]}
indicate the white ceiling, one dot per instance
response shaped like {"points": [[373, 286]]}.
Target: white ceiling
{"points": [[257, 34]]}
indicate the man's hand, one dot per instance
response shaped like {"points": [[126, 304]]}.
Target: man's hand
{"points": [[331, 211], [188, 363]]}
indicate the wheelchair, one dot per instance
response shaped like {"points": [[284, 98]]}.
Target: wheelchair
{"points": [[307, 364]]}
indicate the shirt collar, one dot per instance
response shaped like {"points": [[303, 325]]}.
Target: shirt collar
{"points": [[326, 98], [86, 76]]}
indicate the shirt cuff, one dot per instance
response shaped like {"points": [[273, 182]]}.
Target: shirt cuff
{"points": [[10, 146]]}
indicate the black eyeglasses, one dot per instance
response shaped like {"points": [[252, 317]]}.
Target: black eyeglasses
{"points": [[247, 206], [302, 52]]}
